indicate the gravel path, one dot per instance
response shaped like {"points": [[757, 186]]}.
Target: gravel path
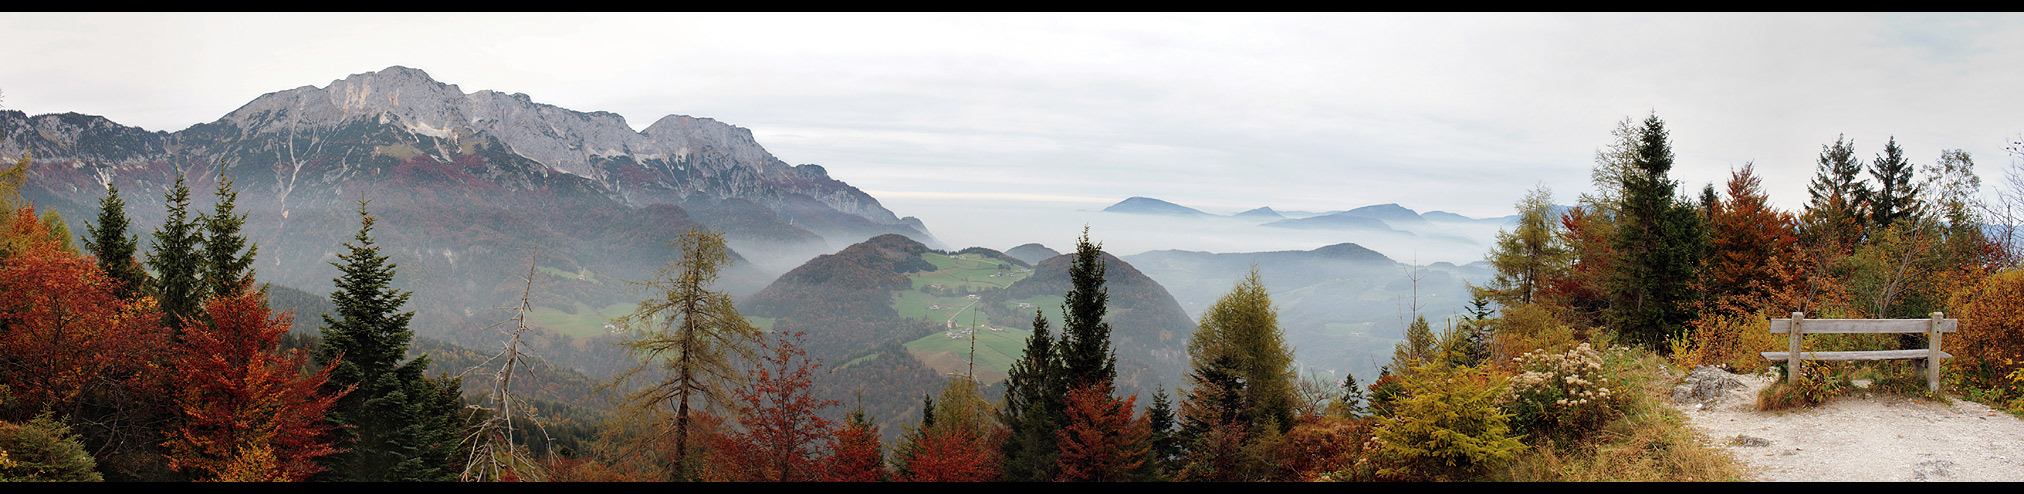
{"points": [[1864, 438]]}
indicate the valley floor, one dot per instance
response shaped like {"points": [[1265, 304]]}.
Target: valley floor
{"points": [[1861, 437]]}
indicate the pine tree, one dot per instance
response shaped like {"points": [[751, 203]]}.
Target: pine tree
{"points": [[177, 264], [226, 270], [691, 333], [114, 247], [1032, 410], [1896, 197], [393, 421], [1085, 337]]}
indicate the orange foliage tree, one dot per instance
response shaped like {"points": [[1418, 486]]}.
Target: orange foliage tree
{"points": [[248, 411], [855, 452], [951, 454], [64, 332], [1099, 440]]}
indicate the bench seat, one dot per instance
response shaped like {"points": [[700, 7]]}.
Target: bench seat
{"points": [[1857, 355]]}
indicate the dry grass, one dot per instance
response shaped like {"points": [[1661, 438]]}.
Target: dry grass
{"points": [[1650, 442]]}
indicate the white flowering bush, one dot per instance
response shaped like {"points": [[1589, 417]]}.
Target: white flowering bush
{"points": [[1563, 394]]}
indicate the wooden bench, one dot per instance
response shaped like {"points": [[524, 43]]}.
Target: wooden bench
{"points": [[1799, 325]]}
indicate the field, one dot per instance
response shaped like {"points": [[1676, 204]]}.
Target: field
{"points": [[945, 296], [949, 352]]}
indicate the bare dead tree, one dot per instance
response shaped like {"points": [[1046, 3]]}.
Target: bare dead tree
{"points": [[495, 454]]}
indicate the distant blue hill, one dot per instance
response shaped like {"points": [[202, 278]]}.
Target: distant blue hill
{"points": [[1391, 214], [1148, 205], [1337, 221], [1265, 213]]}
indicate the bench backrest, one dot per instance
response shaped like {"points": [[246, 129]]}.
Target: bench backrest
{"points": [[1812, 326]]}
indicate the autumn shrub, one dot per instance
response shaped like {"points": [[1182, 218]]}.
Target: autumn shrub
{"points": [[1317, 447], [43, 450], [1532, 328], [1819, 382], [1989, 346], [1564, 394], [1448, 427], [1730, 342]]}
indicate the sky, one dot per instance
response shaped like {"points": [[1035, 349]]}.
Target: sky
{"points": [[957, 117]]}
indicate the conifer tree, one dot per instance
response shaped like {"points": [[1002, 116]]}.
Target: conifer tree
{"points": [[115, 249], [1896, 197], [691, 333], [1165, 449], [1530, 254], [226, 270], [1086, 354], [393, 421], [1835, 214], [1032, 413], [178, 266], [1658, 239], [1244, 325]]}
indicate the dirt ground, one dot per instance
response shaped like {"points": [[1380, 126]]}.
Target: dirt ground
{"points": [[1865, 438]]}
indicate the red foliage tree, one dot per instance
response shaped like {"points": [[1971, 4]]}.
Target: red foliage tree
{"points": [[248, 411], [782, 427], [855, 453], [1099, 440], [949, 454], [66, 332]]}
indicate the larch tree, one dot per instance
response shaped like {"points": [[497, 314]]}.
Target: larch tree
{"points": [[1529, 254], [1244, 325], [689, 335], [393, 426]]}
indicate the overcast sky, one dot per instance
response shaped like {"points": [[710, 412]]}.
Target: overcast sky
{"points": [[1222, 112]]}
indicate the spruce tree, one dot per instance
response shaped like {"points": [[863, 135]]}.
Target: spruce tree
{"points": [[1085, 337], [226, 270], [1032, 412], [1896, 197], [1658, 238], [1835, 214], [115, 249], [176, 262], [393, 419]]}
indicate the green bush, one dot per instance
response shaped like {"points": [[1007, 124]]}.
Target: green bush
{"points": [[43, 450], [1447, 427]]}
